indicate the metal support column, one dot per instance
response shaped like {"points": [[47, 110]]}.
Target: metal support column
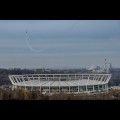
{"points": [[49, 89], [78, 89], [69, 89], [87, 83]]}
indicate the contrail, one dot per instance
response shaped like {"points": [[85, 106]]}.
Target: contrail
{"points": [[43, 49], [31, 48]]}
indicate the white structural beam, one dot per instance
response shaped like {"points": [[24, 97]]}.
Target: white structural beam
{"points": [[94, 82], [87, 83]]}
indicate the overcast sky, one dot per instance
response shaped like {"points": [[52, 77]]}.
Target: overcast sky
{"points": [[59, 43]]}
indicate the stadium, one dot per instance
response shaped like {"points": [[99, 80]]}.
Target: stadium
{"points": [[61, 83]]}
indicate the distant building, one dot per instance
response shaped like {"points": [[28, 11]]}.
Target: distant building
{"points": [[6, 86], [107, 67]]}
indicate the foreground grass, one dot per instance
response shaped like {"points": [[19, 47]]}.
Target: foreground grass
{"points": [[18, 94]]}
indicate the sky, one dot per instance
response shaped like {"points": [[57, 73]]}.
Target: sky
{"points": [[59, 43]]}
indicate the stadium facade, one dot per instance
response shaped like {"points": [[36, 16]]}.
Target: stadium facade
{"points": [[61, 83]]}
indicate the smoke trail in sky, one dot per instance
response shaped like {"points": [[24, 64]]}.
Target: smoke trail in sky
{"points": [[69, 29], [32, 49]]}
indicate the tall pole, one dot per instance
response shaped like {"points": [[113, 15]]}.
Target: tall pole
{"points": [[26, 35], [106, 67]]}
